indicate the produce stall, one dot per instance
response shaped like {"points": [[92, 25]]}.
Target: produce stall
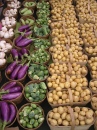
{"points": [[48, 64]]}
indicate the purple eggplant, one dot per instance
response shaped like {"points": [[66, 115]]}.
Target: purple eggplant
{"points": [[11, 67], [12, 113], [24, 43], [28, 33], [21, 41], [10, 96], [18, 39], [15, 72], [22, 28], [22, 71], [15, 89], [24, 51], [14, 53], [9, 85], [5, 113], [20, 55]]}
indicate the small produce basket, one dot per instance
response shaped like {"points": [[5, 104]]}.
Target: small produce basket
{"points": [[19, 99], [39, 102], [2, 67], [93, 86], [10, 102], [73, 126], [19, 48], [26, 14], [32, 7], [8, 8], [9, 2], [19, 80], [71, 103], [33, 107], [25, 18], [38, 80], [94, 102]]}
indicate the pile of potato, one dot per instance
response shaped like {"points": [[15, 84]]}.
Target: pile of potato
{"points": [[93, 67], [70, 69], [63, 81], [93, 86], [94, 102], [96, 113], [86, 10], [89, 34], [69, 97], [61, 53], [91, 50], [60, 116]]}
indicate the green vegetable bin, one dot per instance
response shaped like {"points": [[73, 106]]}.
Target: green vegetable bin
{"points": [[27, 17], [28, 104], [9, 125], [19, 99], [31, 82], [26, 12], [32, 7]]}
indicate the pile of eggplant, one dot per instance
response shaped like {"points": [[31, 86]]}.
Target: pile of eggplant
{"points": [[10, 91], [18, 69], [8, 112]]}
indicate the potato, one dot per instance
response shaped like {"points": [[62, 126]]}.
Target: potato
{"points": [[93, 85], [82, 115]]}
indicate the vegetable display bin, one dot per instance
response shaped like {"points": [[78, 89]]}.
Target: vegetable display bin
{"points": [[19, 80], [19, 48], [21, 110], [25, 18], [73, 127], [19, 99], [37, 80], [39, 102], [71, 103], [92, 105], [28, 14], [8, 8], [93, 91], [9, 125], [8, 41], [32, 7]]}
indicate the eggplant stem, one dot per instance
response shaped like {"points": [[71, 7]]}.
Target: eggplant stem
{"points": [[4, 125], [3, 92]]}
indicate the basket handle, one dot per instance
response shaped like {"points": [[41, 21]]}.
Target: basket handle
{"points": [[72, 117], [67, 78], [70, 96], [71, 57], [89, 5], [64, 27], [95, 32], [68, 40], [70, 67], [67, 47]]}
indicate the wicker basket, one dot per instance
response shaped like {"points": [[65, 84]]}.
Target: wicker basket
{"points": [[37, 81], [73, 127], [25, 18], [8, 8], [93, 91], [19, 48], [19, 80], [39, 102], [71, 100], [19, 99], [44, 62], [28, 14], [33, 7], [16, 114], [21, 110], [93, 107]]}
